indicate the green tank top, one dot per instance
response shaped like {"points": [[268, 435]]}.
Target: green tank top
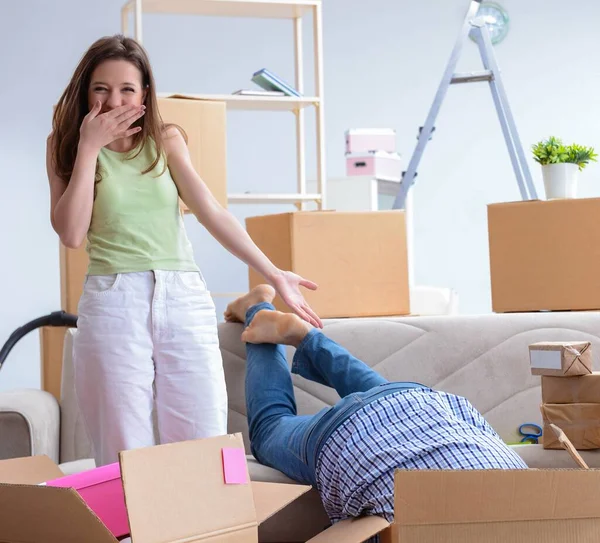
{"points": [[136, 221]]}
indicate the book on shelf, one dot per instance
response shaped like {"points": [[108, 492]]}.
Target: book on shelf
{"points": [[258, 92], [269, 81]]}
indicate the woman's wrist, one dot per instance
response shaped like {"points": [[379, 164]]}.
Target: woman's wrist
{"points": [[86, 148], [273, 274]]}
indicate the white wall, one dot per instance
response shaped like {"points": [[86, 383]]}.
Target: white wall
{"points": [[383, 62]]}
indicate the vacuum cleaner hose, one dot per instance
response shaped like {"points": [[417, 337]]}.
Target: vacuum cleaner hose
{"points": [[56, 318]]}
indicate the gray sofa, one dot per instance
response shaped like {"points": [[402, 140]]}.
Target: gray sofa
{"points": [[484, 358]]}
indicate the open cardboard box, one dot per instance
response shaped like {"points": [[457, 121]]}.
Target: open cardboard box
{"points": [[174, 493], [178, 494], [475, 506]]}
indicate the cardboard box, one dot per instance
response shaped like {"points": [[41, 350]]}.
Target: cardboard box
{"points": [[73, 269], [358, 259], [561, 358], [473, 506], [545, 255], [52, 340], [205, 123], [102, 490], [580, 389], [174, 493], [579, 421]]}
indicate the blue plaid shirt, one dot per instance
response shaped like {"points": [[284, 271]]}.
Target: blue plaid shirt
{"points": [[414, 429]]}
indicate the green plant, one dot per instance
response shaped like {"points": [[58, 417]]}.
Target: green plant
{"points": [[554, 151]]}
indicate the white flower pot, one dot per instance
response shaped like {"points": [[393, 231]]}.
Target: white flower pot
{"points": [[560, 180]]}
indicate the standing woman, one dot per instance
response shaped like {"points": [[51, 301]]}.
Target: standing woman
{"points": [[147, 329]]}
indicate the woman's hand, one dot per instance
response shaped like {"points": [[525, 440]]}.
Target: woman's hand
{"points": [[287, 284], [98, 130]]}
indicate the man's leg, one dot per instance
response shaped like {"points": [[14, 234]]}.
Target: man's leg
{"points": [[317, 357], [277, 433]]}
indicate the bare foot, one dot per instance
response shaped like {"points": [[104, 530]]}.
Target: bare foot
{"points": [[276, 327], [236, 310]]}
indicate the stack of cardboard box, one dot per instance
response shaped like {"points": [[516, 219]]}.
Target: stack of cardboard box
{"points": [[570, 392]]}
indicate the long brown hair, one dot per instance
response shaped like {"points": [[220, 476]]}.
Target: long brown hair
{"points": [[73, 104]]}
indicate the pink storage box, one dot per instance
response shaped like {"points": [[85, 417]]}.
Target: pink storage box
{"points": [[102, 490], [365, 140], [380, 165]]}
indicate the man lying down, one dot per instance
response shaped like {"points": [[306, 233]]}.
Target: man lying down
{"points": [[349, 452]]}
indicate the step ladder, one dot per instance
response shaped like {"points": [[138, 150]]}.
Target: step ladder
{"points": [[476, 26]]}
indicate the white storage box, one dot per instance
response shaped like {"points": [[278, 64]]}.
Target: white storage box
{"points": [[365, 140], [380, 165]]}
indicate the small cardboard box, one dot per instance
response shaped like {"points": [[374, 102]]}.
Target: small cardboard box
{"points": [[579, 389], [545, 255], [579, 421], [561, 358], [174, 493], [358, 259], [205, 123], [102, 490]]}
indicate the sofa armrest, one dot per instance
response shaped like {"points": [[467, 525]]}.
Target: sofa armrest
{"points": [[29, 424]]}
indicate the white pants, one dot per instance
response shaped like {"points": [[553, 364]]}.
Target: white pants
{"points": [[148, 341]]}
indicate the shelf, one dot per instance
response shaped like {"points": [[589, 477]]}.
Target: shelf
{"points": [[264, 198], [268, 198], [270, 9], [250, 103]]}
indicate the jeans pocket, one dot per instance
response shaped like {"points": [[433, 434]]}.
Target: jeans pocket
{"points": [[191, 282], [99, 285]]}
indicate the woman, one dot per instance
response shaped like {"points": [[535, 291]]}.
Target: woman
{"points": [[147, 330]]}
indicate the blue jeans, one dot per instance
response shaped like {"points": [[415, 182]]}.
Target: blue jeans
{"points": [[279, 437]]}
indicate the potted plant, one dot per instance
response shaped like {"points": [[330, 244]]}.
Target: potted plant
{"points": [[561, 165]]}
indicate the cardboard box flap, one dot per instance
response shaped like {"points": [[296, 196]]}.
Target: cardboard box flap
{"points": [[476, 496], [177, 491], [32, 514], [566, 443], [353, 530], [270, 498], [29, 470]]}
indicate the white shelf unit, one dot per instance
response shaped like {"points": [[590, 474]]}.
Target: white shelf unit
{"points": [[272, 9]]}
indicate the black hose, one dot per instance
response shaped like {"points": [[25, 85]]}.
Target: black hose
{"points": [[56, 318]]}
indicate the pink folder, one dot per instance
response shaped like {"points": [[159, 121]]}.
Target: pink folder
{"points": [[101, 488]]}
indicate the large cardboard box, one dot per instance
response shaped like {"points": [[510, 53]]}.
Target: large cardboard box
{"points": [[579, 389], [173, 493], [471, 506], [358, 259], [579, 421], [561, 358], [545, 255], [205, 123]]}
